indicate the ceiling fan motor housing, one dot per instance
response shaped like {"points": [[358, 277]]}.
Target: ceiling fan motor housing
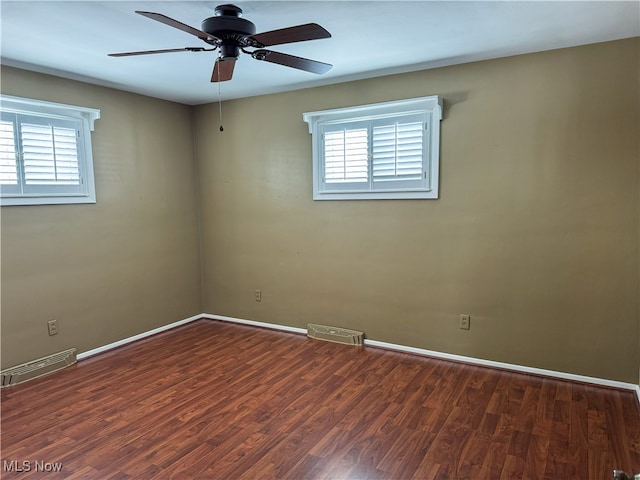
{"points": [[230, 29]]}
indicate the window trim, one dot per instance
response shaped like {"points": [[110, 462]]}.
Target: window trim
{"points": [[85, 119], [430, 107]]}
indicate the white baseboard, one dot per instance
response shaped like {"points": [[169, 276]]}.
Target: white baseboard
{"points": [[119, 343], [457, 358], [375, 343], [505, 366], [273, 326]]}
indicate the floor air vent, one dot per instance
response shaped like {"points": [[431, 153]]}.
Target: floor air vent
{"points": [[334, 334], [37, 368], [620, 475]]}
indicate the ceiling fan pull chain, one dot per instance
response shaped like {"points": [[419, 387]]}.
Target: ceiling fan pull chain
{"points": [[220, 100]]}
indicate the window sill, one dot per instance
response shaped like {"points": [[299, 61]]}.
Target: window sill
{"points": [[61, 200], [422, 195]]}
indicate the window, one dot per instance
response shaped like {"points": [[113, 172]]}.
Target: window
{"points": [[385, 150], [45, 152]]}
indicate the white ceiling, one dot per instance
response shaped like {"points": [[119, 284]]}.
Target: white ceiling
{"points": [[369, 38]]}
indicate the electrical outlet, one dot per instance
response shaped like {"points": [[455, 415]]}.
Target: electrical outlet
{"points": [[465, 322], [52, 325], [258, 295]]}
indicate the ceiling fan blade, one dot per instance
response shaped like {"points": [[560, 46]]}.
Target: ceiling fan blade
{"points": [[176, 24], [149, 52], [300, 33], [287, 60], [223, 69]]}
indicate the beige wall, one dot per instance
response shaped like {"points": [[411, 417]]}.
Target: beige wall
{"points": [[127, 264], [536, 233]]}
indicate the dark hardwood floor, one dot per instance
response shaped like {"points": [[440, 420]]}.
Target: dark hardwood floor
{"points": [[213, 400]]}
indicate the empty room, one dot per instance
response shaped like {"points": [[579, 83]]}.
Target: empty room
{"points": [[320, 240]]}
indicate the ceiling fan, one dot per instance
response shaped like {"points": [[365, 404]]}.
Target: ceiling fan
{"points": [[227, 32]]}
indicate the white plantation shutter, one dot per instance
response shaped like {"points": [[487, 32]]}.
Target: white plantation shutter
{"points": [[8, 156], [380, 154], [398, 151], [50, 154], [386, 150], [346, 155], [45, 152], [40, 156]]}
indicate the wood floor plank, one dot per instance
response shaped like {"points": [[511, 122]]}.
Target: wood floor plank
{"points": [[536, 457], [473, 455], [216, 400]]}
